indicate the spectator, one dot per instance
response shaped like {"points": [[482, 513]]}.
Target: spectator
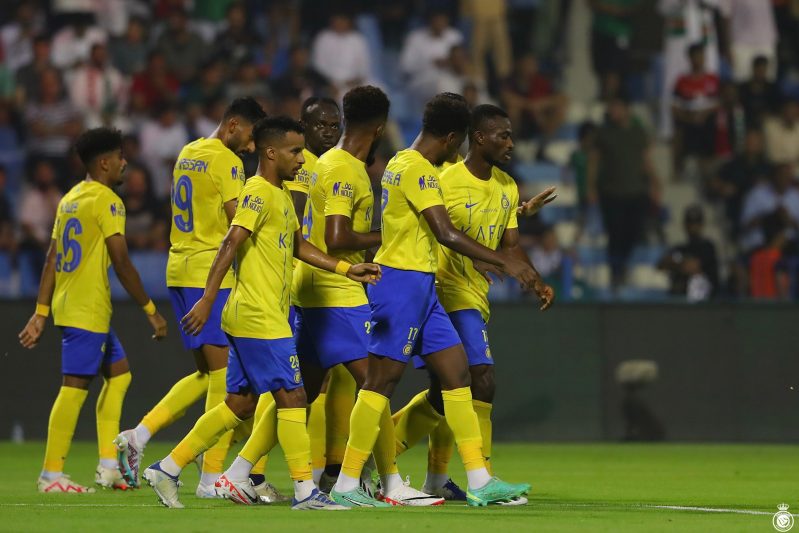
{"points": [[455, 74], [28, 81], [301, 78], [547, 256], [72, 44], [534, 106], [768, 278], [340, 53], [247, 83], [145, 229], [778, 194], [17, 36], [729, 123], [695, 103], [490, 35], [238, 40], [578, 171], [693, 266], [738, 175], [611, 30], [129, 52], [162, 138], [623, 180], [7, 241], [782, 134], [37, 212], [98, 90], [753, 33], [210, 85], [12, 154], [183, 49], [53, 123], [759, 95], [153, 87]]}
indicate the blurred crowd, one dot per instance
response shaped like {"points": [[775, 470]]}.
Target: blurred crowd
{"points": [[719, 79]]}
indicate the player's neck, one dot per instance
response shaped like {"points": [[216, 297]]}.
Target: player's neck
{"points": [[269, 175], [99, 179], [355, 144], [479, 167], [428, 146]]}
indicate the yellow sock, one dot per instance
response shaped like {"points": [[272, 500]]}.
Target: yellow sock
{"points": [[293, 437], [462, 419], [243, 431], [483, 411], [385, 450], [439, 453], [214, 458], [338, 409], [264, 434], [63, 418], [212, 425], [414, 421], [316, 431], [108, 411], [264, 403], [180, 397], [364, 427]]}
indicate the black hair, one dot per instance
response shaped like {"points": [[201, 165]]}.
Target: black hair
{"points": [[271, 128], [315, 100], [760, 60], [482, 113], [444, 114], [246, 108], [694, 48], [364, 105], [96, 142], [585, 129]]}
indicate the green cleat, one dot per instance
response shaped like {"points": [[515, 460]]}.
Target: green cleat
{"points": [[494, 491], [356, 498]]}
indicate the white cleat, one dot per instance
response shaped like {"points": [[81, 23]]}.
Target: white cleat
{"points": [[164, 485], [206, 492], [317, 501], [241, 492], [268, 493], [110, 478], [62, 485], [407, 495], [519, 500], [129, 455]]}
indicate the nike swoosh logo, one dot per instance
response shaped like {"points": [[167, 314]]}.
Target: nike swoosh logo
{"points": [[469, 206]]}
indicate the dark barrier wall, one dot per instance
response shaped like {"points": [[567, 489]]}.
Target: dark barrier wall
{"points": [[726, 372]]}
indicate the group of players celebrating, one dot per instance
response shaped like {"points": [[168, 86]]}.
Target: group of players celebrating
{"points": [[291, 323]]}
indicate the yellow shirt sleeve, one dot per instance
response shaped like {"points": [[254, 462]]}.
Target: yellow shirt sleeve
{"points": [[251, 210], [339, 193], [421, 187], [110, 213], [226, 171]]}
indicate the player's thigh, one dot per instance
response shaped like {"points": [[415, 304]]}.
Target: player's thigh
{"points": [[451, 367], [325, 383], [434, 393], [358, 369], [383, 374], [214, 356], [290, 399], [313, 376]]}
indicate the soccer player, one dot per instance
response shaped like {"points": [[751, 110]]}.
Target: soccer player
{"points": [[263, 238], [482, 201], [406, 316], [207, 179], [88, 235]]}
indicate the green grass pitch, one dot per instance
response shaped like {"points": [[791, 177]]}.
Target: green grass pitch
{"points": [[576, 488]]}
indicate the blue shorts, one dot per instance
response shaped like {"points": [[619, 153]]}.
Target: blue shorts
{"points": [[83, 352], [327, 336], [407, 318], [473, 332], [262, 365], [292, 318], [183, 299]]}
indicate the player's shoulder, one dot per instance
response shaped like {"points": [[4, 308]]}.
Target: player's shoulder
{"points": [[454, 172], [502, 177], [414, 163]]}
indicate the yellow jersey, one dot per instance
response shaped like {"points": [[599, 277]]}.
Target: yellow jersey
{"points": [[302, 181], [258, 305], [339, 186], [410, 185], [446, 164], [206, 176], [88, 214], [483, 210]]}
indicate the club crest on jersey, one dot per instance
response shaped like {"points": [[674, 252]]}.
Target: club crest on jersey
{"points": [[297, 376], [505, 202], [407, 349]]}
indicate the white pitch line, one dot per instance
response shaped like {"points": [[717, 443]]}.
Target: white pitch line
{"points": [[78, 505], [709, 509]]}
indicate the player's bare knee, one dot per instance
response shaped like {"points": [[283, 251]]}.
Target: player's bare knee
{"points": [[76, 382], [483, 383], [242, 405]]}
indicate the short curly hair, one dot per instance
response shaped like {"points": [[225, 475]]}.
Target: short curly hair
{"points": [[96, 142], [271, 128], [444, 114], [365, 104]]}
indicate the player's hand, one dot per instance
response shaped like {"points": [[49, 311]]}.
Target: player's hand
{"points": [[485, 268], [159, 325], [534, 204], [195, 320], [365, 273], [545, 293], [30, 334], [520, 270]]}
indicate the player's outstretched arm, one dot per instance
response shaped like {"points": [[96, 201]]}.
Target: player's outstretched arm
{"points": [[196, 318], [30, 334], [307, 252], [130, 280], [446, 234], [510, 246], [339, 235], [534, 204]]}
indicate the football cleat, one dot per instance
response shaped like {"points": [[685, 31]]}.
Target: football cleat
{"points": [[62, 484], [164, 485], [519, 500], [129, 455], [356, 498], [268, 493], [205, 491], [494, 491], [241, 492], [407, 495], [317, 501], [110, 478], [450, 491]]}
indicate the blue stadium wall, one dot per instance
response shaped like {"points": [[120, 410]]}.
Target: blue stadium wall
{"points": [[726, 372]]}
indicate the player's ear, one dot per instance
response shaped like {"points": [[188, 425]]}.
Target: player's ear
{"points": [[232, 124], [271, 153], [379, 130]]}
